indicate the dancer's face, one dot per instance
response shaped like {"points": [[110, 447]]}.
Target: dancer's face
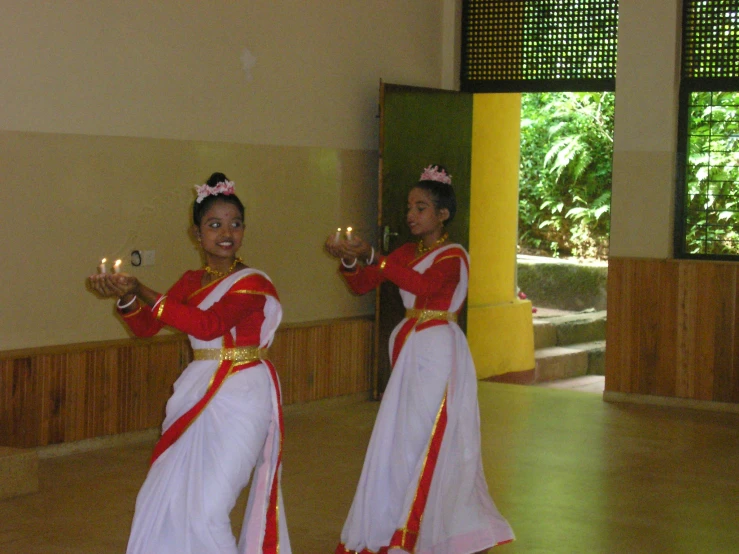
{"points": [[221, 230], [423, 217]]}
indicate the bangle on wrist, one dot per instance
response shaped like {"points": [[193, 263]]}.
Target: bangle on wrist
{"points": [[354, 263], [126, 305], [372, 257]]}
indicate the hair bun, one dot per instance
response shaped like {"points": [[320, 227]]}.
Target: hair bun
{"points": [[216, 178]]}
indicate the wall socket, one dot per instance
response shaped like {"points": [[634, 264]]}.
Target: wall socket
{"points": [[148, 257]]}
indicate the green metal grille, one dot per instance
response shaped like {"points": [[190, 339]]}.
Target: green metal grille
{"points": [[710, 38], [539, 45]]}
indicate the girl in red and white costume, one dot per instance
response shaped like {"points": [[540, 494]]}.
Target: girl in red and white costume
{"points": [[224, 419], [422, 487]]}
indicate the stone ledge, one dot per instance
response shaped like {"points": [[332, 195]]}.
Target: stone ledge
{"points": [[562, 284]]}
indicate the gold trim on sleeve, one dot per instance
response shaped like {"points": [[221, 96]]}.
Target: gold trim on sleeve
{"points": [[160, 308], [133, 313], [263, 293]]}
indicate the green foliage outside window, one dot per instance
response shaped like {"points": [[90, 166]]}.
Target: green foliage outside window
{"points": [[565, 173], [712, 175]]}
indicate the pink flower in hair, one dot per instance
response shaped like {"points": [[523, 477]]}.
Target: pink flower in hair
{"points": [[433, 173], [224, 187]]}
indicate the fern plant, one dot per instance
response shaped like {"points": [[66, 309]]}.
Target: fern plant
{"points": [[565, 173]]}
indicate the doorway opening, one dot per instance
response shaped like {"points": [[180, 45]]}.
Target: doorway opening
{"points": [[565, 175]]}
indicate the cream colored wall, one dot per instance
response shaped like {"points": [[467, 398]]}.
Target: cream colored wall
{"points": [[111, 111], [173, 68], [645, 134]]}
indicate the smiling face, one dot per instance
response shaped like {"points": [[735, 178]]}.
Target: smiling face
{"points": [[424, 219], [221, 232]]}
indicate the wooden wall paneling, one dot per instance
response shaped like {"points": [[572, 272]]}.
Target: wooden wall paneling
{"points": [[616, 331], [706, 320], [646, 313], [731, 387], [74, 408], [109, 391], [126, 400], [92, 401], [150, 375], [714, 327], [18, 427], [55, 397], [362, 375], [687, 302], [296, 365], [320, 362], [73, 392], [6, 399], [660, 364], [27, 416], [673, 329], [720, 285]]}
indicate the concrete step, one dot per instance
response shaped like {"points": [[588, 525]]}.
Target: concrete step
{"points": [[563, 362], [571, 328], [18, 471], [586, 383], [596, 356]]}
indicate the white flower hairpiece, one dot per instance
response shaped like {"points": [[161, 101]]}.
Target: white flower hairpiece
{"points": [[223, 187], [433, 173]]}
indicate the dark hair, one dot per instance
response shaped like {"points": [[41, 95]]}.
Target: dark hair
{"points": [[441, 193], [199, 208]]}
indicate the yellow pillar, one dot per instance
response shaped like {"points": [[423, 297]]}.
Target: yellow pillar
{"points": [[499, 326]]}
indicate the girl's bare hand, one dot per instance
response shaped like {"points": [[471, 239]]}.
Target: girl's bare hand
{"points": [[113, 285]]}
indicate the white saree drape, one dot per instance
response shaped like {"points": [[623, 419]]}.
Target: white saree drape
{"points": [[459, 516], [185, 503]]}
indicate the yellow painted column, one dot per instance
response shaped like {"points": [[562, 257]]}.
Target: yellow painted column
{"points": [[499, 326]]}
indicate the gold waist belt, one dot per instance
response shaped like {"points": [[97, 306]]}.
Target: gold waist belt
{"points": [[427, 315], [241, 354]]}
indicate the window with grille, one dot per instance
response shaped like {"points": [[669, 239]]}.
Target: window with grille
{"points": [[707, 222], [539, 45]]}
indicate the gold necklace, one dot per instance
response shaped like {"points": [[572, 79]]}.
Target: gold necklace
{"points": [[422, 249], [218, 274]]}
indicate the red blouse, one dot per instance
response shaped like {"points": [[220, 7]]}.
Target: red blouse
{"points": [[242, 307], [433, 288]]}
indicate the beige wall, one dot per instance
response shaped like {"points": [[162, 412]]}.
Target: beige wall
{"points": [[173, 68], [110, 112], [645, 135]]}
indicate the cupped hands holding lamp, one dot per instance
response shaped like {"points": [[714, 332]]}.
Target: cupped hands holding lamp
{"points": [[127, 288], [349, 248]]}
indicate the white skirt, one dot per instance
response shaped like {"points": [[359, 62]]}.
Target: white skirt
{"points": [[185, 503], [459, 516]]}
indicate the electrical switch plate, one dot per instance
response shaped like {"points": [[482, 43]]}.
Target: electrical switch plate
{"points": [[148, 257]]}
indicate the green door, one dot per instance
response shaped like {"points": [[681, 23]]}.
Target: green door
{"points": [[418, 127]]}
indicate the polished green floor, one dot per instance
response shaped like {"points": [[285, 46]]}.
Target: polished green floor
{"points": [[571, 473]]}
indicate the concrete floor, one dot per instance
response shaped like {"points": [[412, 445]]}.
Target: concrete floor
{"points": [[572, 474]]}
